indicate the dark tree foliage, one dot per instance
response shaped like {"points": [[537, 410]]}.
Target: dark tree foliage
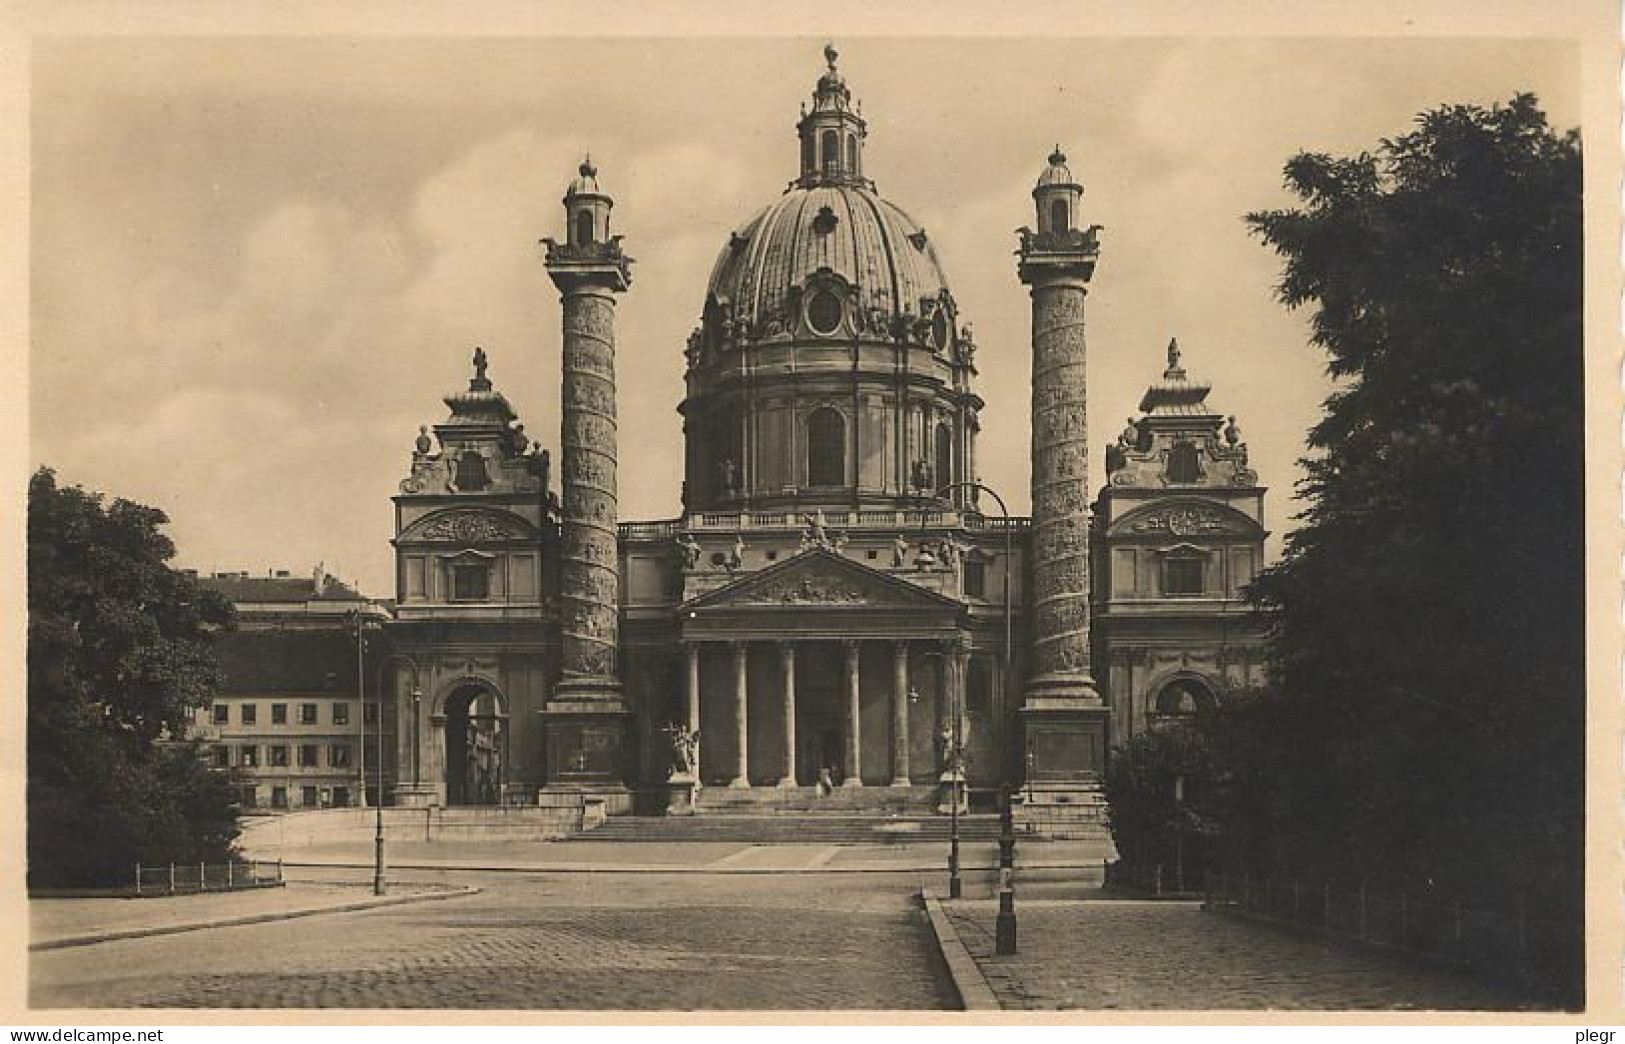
{"points": [[118, 657], [1429, 610]]}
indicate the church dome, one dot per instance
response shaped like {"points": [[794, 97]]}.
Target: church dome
{"points": [[844, 230]]}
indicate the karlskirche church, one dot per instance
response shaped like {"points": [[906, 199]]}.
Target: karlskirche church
{"points": [[842, 617]]}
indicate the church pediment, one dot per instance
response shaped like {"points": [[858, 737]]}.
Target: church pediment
{"points": [[469, 526], [820, 578], [1185, 518]]}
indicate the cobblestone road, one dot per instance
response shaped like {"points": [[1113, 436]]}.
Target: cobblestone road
{"points": [[1164, 955], [541, 941]]}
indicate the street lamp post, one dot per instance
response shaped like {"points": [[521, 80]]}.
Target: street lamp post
{"points": [[1005, 926], [378, 815]]}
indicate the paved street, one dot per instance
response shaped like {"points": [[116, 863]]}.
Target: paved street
{"points": [[1138, 955], [645, 941]]}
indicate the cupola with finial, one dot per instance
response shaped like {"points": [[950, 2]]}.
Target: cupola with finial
{"points": [[1057, 197], [832, 132], [587, 207]]}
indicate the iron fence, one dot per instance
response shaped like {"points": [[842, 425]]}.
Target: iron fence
{"points": [[1534, 950], [192, 878]]}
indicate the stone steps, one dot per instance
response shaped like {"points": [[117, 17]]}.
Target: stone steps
{"points": [[806, 828]]}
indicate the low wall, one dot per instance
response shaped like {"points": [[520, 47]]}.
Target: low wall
{"points": [[338, 825]]}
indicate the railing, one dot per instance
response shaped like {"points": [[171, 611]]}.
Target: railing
{"points": [[192, 878], [1540, 954], [1157, 879], [780, 520]]}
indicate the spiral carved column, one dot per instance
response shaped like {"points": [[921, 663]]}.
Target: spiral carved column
{"points": [[589, 576]]}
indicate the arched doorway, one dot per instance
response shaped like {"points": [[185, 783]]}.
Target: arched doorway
{"points": [[476, 746], [1184, 698]]}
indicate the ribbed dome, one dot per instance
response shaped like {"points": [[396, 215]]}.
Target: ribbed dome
{"points": [[1057, 173], [847, 229]]}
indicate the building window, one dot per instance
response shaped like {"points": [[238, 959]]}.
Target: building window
{"points": [[1059, 219], [222, 714], [307, 714], [1183, 574], [338, 755], [341, 714], [852, 154], [249, 757], [222, 757], [826, 448], [308, 797], [808, 162], [831, 147], [248, 797], [251, 714], [945, 457], [470, 582], [277, 757], [279, 797], [369, 714], [1183, 467], [341, 797], [584, 227], [307, 755], [824, 312], [279, 714], [471, 474], [975, 578]]}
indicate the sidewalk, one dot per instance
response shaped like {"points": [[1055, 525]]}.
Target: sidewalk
{"points": [[58, 923], [1138, 955], [980, 858]]}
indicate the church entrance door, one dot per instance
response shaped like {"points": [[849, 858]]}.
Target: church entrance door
{"points": [[820, 732], [475, 745]]}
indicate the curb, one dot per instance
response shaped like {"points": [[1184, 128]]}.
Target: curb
{"points": [[968, 981], [229, 922]]}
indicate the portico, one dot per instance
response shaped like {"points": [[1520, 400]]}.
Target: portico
{"points": [[822, 672]]}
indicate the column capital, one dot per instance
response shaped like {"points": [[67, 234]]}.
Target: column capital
{"points": [[851, 647], [787, 646], [900, 646]]}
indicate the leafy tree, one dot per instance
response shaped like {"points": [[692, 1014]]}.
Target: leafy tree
{"points": [[1429, 610], [118, 658]]}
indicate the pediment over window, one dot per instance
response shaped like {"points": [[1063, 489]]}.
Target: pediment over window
{"points": [[469, 526], [1186, 518]]}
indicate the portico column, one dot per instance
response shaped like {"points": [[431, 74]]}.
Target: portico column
{"points": [[741, 651], [899, 713], [787, 654], [691, 694], [854, 713]]}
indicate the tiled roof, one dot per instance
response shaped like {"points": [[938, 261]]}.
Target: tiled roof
{"points": [[302, 660], [280, 589]]}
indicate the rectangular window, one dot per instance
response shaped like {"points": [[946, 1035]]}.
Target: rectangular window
{"points": [[307, 755], [222, 714], [341, 797], [279, 714], [975, 579], [470, 582], [222, 757], [307, 714], [369, 714], [1182, 576], [279, 797], [277, 757], [338, 755], [251, 714], [250, 757], [341, 714], [307, 797], [248, 797]]}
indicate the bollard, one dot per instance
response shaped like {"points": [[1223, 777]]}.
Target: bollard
{"points": [[171, 878], [202, 878], [228, 875], [1004, 926], [138, 879]]}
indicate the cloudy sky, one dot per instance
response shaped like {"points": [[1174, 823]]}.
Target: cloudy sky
{"points": [[258, 263]]}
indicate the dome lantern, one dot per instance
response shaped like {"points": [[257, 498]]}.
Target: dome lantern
{"points": [[832, 132]]}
